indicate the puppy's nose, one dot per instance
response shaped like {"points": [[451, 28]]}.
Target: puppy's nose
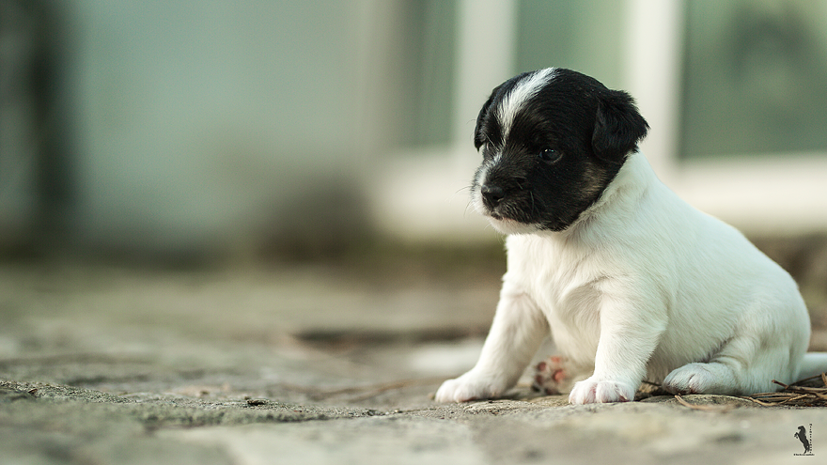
{"points": [[492, 195]]}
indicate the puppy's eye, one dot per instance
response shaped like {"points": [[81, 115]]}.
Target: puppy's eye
{"points": [[551, 156]]}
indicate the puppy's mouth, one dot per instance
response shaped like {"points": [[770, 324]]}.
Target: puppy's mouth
{"points": [[508, 225], [507, 216], [507, 219], [499, 216], [507, 208]]}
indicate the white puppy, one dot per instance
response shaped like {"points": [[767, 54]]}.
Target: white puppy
{"points": [[633, 283]]}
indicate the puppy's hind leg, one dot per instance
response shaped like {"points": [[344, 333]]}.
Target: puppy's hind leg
{"points": [[743, 366]]}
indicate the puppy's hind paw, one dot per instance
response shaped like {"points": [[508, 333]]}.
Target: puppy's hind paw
{"points": [[595, 390], [551, 376], [693, 378]]}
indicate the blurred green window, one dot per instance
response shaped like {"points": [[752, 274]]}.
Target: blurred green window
{"points": [[755, 77]]}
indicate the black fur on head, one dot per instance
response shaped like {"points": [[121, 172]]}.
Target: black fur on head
{"points": [[552, 141]]}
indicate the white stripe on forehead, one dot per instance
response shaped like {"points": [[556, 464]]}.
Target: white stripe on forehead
{"points": [[517, 96]]}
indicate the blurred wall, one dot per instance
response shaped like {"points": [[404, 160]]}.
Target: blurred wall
{"points": [[235, 129], [220, 125], [226, 126]]}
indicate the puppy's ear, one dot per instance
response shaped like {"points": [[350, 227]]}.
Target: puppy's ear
{"points": [[618, 126], [479, 139]]}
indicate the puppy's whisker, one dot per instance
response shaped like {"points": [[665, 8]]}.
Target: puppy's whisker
{"points": [[467, 206], [466, 188]]}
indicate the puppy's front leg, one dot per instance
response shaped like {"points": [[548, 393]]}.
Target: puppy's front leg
{"points": [[518, 329], [629, 333]]}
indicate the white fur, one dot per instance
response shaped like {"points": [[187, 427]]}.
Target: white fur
{"points": [[523, 91], [643, 286]]}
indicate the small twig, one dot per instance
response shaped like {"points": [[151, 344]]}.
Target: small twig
{"points": [[707, 408], [795, 394], [387, 387], [806, 389], [793, 399], [765, 404], [357, 393], [785, 386], [800, 381]]}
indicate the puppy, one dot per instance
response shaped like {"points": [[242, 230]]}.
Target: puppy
{"points": [[632, 282]]}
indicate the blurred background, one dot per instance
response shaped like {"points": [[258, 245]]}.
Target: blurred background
{"points": [[236, 129], [234, 132]]}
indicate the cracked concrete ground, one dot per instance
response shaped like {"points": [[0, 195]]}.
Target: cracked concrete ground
{"points": [[312, 364]]}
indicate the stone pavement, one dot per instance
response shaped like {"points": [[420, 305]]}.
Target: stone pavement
{"points": [[313, 364]]}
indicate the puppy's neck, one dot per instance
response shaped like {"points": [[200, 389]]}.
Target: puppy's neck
{"points": [[618, 200]]}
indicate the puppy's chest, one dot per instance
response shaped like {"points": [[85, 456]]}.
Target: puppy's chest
{"points": [[563, 283]]}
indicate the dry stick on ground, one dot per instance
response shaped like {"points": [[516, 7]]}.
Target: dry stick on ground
{"points": [[708, 408], [794, 394], [357, 393], [791, 395]]}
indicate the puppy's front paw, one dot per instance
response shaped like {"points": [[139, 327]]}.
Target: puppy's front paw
{"points": [[470, 386], [594, 390]]}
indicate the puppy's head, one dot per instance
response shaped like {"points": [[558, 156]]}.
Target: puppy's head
{"points": [[552, 140]]}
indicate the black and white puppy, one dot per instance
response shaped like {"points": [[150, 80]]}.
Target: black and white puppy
{"points": [[632, 282]]}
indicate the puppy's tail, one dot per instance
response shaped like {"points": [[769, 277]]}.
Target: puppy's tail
{"points": [[813, 364]]}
